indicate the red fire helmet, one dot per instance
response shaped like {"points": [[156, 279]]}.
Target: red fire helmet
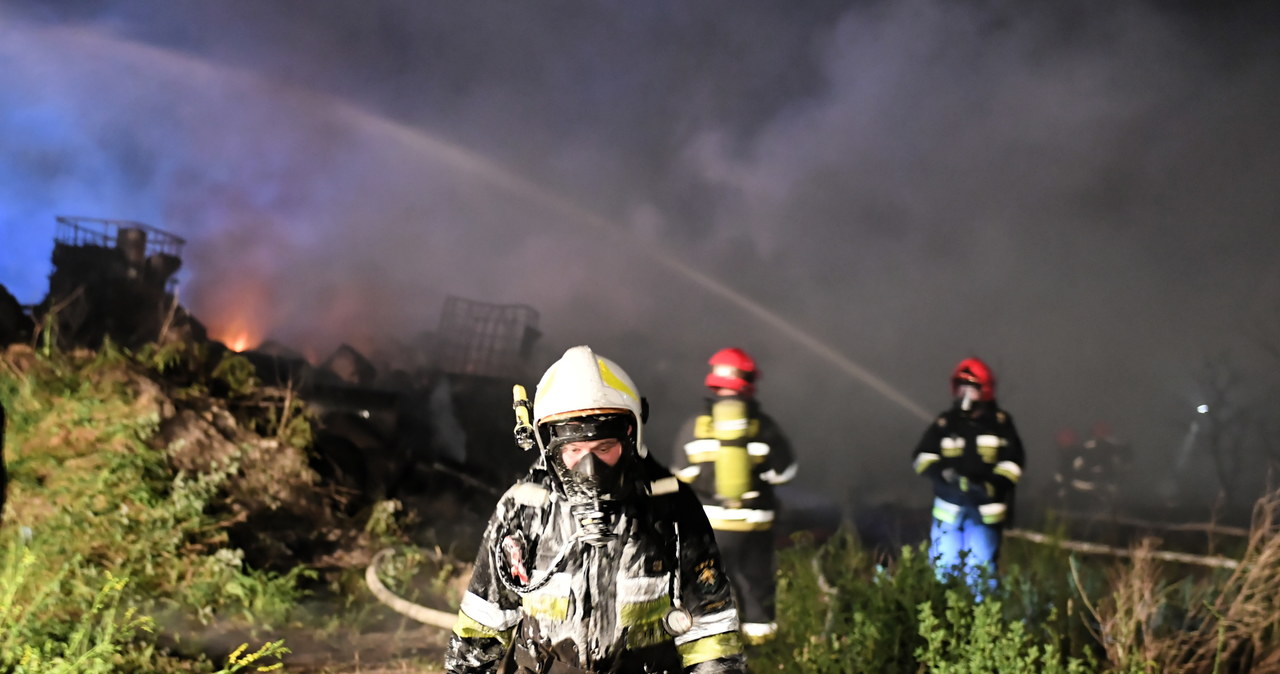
{"points": [[733, 369], [974, 371]]}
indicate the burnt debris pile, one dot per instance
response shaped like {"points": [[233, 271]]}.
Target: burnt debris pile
{"points": [[113, 279], [426, 425]]}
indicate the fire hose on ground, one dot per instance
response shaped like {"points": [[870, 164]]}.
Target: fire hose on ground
{"points": [[422, 614]]}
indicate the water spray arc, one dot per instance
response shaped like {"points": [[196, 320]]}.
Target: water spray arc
{"points": [[495, 174], [507, 179]]}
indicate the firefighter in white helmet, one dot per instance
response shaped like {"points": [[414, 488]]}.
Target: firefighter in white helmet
{"points": [[733, 455], [598, 560]]}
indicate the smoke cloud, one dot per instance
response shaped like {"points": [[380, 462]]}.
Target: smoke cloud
{"points": [[1081, 195]]}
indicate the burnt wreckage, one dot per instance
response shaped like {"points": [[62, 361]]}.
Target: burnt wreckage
{"points": [[113, 279], [412, 433], [438, 423]]}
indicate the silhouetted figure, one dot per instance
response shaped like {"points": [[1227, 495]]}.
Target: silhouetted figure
{"points": [[1102, 462], [1071, 461]]}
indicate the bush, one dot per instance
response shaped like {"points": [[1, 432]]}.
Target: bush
{"points": [[843, 609], [109, 533]]}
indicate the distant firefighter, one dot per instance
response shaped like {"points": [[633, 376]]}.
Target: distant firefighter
{"points": [[974, 458], [1067, 442], [733, 454], [1089, 472]]}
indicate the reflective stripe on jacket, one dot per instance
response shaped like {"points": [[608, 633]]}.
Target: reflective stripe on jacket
{"points": [[604, 604], [694, 458], [984, 452]]}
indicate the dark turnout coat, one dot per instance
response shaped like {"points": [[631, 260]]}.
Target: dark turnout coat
{"points": [[983, 450], [540, 597]]}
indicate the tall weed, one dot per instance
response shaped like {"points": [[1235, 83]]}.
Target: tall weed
{"points": [[93, 505]]}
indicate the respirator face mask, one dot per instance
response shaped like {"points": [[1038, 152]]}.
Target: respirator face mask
{"points": [[590, 478], [968, 395]]}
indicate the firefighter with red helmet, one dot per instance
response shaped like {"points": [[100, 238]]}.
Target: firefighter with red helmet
{"points": [[733, 454], [973, 457], [598, 560]]}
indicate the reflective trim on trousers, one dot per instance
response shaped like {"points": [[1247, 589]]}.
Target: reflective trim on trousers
{"points": [[992, 513], [738, 519], [945, 511], [710, 624], [709, 648], [758, 633]]}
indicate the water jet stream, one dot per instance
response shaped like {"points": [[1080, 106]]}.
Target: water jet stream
{"points": [[505, 179], [515, 184]]}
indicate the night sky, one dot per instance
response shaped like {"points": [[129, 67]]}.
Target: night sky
{"points": [[1082, 193]]}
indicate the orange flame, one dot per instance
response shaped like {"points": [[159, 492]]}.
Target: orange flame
{"points": [[239, 343]]}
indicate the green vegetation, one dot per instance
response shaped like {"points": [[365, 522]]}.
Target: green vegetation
{"points": [[102, 536], [842, 610], [115, 552]]}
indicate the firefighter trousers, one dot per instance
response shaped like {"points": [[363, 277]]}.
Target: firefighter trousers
{"points": [[749, 562], [968, 548]]}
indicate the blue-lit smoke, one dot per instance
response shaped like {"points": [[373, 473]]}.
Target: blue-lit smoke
{"points": [[160, 189]]}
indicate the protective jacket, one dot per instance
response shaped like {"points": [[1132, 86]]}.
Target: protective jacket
{"points": [[979, 450], [700, 460], [542, 600]]}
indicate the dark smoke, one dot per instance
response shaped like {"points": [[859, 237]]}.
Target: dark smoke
{"points": [[1082, 194]]}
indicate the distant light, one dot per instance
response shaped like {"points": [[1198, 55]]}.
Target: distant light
{"points": [[1203, 409], [364, 413]]}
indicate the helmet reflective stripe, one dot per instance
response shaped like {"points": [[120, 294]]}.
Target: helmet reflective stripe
{"points": [[614, 381], [582, 382], [732, 369]]}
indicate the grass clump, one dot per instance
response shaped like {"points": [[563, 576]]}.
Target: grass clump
{"points": [[101, 532], [844, 609]]}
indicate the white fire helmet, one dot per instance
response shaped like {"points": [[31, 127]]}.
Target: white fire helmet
{"points": [[582, 383]]}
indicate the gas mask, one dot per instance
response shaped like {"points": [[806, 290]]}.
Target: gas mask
{"points": [[590, 478], [592, 486]]}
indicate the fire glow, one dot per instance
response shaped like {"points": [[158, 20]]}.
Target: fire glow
{"points": [[235, 334], [239, 343]]}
